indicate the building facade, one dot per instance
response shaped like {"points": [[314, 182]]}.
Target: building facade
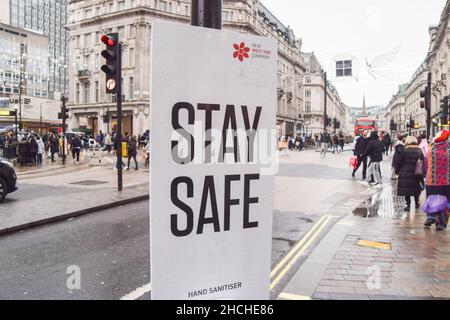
{"points": [[49, 18], [24, 79], [412, 101], [396, 110], [314, 101], [91, 108]]}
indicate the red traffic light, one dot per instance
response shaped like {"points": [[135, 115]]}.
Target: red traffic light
{"points": [[108, 40]]}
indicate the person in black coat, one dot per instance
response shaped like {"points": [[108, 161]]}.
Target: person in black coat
{"points": [[398, 150], [408, 183], [375, 150], [360, 149]]}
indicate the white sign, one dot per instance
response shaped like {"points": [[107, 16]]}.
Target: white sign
{"points": [[213, 107]]}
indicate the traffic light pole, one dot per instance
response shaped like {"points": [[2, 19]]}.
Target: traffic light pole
{"points": [[119, 121], [428, 107], [206, 13], [325, 87], [64, 116]]}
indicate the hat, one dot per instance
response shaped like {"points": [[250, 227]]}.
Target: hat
{"points": [[442, 136]]}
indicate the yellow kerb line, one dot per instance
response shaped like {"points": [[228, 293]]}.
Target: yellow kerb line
{"points": [[297, 246], [303, 249], [289, 296]]}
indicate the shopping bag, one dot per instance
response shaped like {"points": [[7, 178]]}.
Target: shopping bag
{"points": [[354, 162]]}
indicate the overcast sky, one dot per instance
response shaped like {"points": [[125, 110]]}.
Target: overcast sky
{"points": [[392, 35]]}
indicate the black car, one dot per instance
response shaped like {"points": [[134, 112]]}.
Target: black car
{"points": [[8, 179]]}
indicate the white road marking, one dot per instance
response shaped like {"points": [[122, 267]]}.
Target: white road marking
{"points": [[139, 292]]}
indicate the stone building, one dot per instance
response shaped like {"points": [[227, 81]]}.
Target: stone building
{"points": [[313, 109], [91, 108]]}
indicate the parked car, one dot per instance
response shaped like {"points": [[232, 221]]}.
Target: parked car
{"points": [[8, 179]]}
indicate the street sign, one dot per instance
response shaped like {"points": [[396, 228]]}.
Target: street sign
{"points": [[213, 141]]}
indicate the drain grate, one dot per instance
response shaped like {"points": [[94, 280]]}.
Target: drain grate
{"points": [[89, 183]]}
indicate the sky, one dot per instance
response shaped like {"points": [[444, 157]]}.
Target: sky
{"points": [[390, 35]]}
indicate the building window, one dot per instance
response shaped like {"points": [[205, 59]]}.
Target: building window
{"points": [[307, 93], [131, 58], [162, 5], [77, 93], [131, 93], [307, 106], [87, 13], [121, 5], [121, 32], [132, 31], [87, 39], [344, 68], [78, 42], [97, 91], [87, 89]]}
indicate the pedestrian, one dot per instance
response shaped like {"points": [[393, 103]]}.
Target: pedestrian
{"points": [[409, 180], [325, 140], [76, 148], [41, 150], [360, 149], [341, 141], [147, 154], [374, 150], [438, 183], [132, 152], [387, 141], [54, 146], [33, 150], [398, 150], [335, 143], [108, 143]]}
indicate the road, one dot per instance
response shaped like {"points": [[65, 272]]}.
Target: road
{"points": [[111, 249]]}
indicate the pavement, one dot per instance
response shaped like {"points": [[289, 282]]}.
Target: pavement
{"points": [[55, 192], [375, 252]]}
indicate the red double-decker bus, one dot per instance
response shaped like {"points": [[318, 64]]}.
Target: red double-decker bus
{"points": [[362, 124]]}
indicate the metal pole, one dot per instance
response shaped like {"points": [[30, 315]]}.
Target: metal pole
{"points": [[428, 107], [63, 113], [119, 123], [206, 13], [15, 119], [325, 116]]}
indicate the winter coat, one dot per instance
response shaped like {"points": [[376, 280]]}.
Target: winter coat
{"points": [[76, 143], [132, 148], [375, 150], [361, 146], [424, 147], [408, 182], [399, 149], [41, 147]]}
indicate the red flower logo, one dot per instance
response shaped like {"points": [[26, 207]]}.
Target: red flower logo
{"points": [[241, 51]]}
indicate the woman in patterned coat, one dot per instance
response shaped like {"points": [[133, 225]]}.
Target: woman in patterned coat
{"points": [[438, 182]]}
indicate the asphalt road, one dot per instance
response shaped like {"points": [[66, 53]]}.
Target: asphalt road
{"points": [[110, 248]]}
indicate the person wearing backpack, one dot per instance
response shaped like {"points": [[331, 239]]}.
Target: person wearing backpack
{"points": [[409, 180]]}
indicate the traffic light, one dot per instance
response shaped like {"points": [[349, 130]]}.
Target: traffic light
{"points": [[63, 114], [424, 96], [444, 108], [393, 125], [113, 65]]}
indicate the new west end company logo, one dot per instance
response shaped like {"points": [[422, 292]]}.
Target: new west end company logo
{"points": [[242, 52]]}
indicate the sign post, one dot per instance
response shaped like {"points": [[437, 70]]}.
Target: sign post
{"points": [[213, 116]]}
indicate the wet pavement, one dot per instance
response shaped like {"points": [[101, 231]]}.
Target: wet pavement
{"points": [[417, 266]]}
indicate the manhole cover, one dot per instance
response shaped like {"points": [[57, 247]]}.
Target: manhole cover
{"points": [[89, 182]]}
